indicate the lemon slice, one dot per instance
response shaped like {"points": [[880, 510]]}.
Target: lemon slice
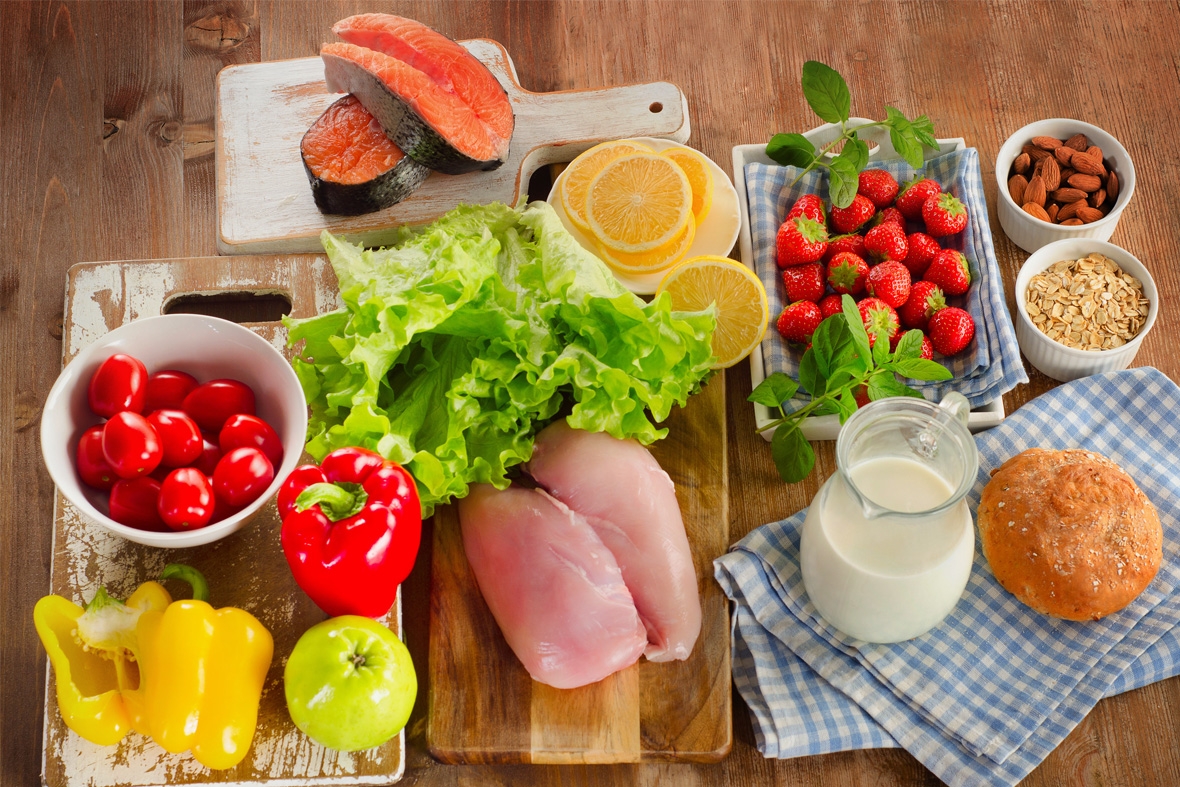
{"points": [[737, 295], [577, 176], [653, 261], [700, 178], [638, 202]]}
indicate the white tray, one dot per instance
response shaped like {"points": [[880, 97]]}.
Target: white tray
{"points": [[827, 427]]}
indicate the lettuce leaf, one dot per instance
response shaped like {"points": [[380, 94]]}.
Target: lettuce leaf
{"points": [[458, 344]]}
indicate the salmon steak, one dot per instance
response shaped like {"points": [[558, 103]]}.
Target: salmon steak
{"points": [[435, 100]]}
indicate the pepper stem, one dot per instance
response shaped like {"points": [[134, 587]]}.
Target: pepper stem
{"points": [[190, 575], [337, 500]]}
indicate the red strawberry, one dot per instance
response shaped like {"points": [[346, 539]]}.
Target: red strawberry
{"points": [[805, 282], [829, 305], [798, 321], [922, 249], [879, 317], [944, 214], [914, 194], [852, 242], [853, 217], [889, 281], [949, 271], [889, 215], [886, 242], [951, 330], [861, 394], [801, 240], [925, 299], [810, 206], [847, 273], [879, 186], [927, 348]]}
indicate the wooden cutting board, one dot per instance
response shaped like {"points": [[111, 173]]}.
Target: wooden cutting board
{"points": [[246, 569], [484, 707], [264, 202]]}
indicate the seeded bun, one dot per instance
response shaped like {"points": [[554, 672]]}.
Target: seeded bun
{"points": [[1069, 533]]}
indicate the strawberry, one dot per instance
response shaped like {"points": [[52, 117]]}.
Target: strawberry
{"points": [[829, 305], [951, 330], [801, 240], [949, 271], [850, 242], [944, 214], [853, 217], [925, 299], [879, 318], [927, 348], [879, 186], [847, 273], [914, 194], [889, 281], [810, 206], [886, 242], [889, 215], [922, 249], [805, 282], [861, 394], [798, 321]]}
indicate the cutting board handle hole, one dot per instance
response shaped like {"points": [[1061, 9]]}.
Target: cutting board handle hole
{"points": [[262, 306], [656, 108]]}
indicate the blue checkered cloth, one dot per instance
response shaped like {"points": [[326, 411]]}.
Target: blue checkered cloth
{"points": [[985, 696], [991, 367]]}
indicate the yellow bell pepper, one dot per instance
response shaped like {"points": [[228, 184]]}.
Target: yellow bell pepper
{"points": [[181, 672]]}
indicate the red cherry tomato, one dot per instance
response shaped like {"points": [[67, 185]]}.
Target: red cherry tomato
{"points": [[119, 383], [186, 499], [130, 444], [133, 503], [211, 403], [166, 389], [180, 437], [250, 431], [93, 468], [210, 456], [242, 475]]}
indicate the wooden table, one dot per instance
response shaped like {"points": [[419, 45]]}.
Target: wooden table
{"points": [[106, 129]]}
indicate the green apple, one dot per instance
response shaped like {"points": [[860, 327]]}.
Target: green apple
{"points": [[350, 683]]}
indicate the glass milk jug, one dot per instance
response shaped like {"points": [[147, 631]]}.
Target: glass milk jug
{"points": [[888, 542]]}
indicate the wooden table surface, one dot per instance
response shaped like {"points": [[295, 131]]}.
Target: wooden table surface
{"points": [[106, 129]]}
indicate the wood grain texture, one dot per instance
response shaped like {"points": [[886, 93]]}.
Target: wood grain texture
{"points": [[981, 70]]}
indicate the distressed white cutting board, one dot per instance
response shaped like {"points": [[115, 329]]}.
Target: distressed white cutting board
{"points": [[264, 202]]}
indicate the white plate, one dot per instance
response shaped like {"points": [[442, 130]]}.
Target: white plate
{"points": [[715, 236]]}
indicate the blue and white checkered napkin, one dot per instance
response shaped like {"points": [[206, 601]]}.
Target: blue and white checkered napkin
{"points": [[985, 696], [992, 367]]}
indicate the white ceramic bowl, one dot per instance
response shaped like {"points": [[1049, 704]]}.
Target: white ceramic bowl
{"points": [[1031, 234], [205, 347], [1054, 358]]}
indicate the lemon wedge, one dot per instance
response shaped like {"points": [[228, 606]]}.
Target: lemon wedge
{"points": [[576, 179], [638, 203]]}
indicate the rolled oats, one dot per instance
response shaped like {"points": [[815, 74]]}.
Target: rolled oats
{"points": [[1087, 304]]}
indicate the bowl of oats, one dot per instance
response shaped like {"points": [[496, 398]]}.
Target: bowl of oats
{"points": [[1084, 307]]}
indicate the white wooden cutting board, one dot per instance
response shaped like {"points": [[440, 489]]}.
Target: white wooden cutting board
{"points": [[264, 202]]}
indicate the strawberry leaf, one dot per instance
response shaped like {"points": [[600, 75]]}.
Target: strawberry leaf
{"points": [[910, 346], [884, 385], [924, 131], [856, 328], [856, 151], [774, 390], [880, 347], [791, 150], [810, 378], [843, 181], [919, 369], [826, 92], [793, 455], [901, 134]]}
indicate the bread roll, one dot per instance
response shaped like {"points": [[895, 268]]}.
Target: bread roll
{"points": [[1069, 533]]}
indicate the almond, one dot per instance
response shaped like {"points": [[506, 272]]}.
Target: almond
{"points": [[1087, 164], [1021, 163], [1051, 173], [1097, 198], [1035, 192], [1035, 210], [1068, 195], [1094, 151], [1072, 223], [1047, 143], [1088, 214], [1066, 172], [1063, 154], [1077, 142], [1070, 210], [1052, 211], [1112, 187], [1037, 154], [1016, 186], [1084, 182]]}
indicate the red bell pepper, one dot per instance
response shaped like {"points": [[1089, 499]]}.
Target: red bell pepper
{"points": [[351, 529]]}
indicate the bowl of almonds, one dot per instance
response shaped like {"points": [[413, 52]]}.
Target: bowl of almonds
{"points": [[1062, 178], [1083, 307]]}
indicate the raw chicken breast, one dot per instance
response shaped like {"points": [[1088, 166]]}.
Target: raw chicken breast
{"points": [[630, 501], [555, 591]]}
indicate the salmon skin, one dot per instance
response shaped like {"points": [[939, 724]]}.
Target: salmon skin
{"points": [[353, 166], [434, 99]]}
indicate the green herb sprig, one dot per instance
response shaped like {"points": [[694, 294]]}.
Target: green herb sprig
{"points": [[838, 362], [827, 94]]}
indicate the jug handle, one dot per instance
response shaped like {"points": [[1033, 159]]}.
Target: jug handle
{"points": [[957, 406]]}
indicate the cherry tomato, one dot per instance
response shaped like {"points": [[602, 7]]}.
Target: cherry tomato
{"points": [[130, 444], [133, 503], [211, 403], [180, 437], [242, 475], [186, 499], [119, 383], [251, 431], [210, 456], [93, 468], [166, 389]]}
